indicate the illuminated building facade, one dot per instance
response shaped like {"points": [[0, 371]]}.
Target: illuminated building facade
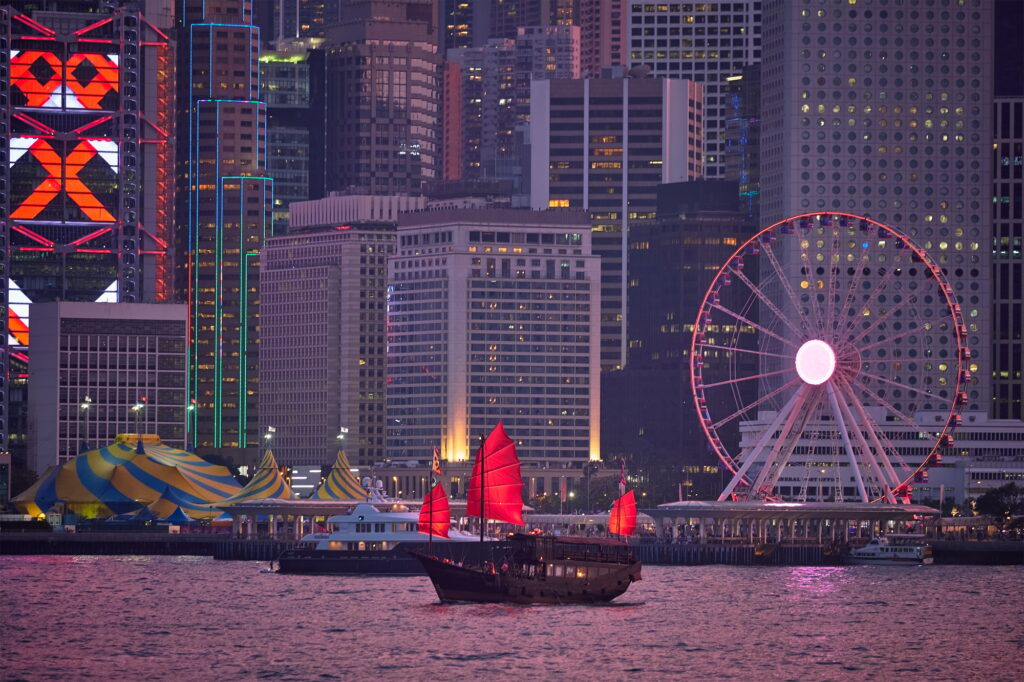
{"points": [[492, 316], [900, 131], [226, 204], [648, 415], [604, 145], [87, 170], [292, 85], [326, 286], [704, 42], [383, 97], [109, 358]]}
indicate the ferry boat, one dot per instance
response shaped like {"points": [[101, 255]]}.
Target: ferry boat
{"points": [[373, 538], [892, 550], [532, 568]]}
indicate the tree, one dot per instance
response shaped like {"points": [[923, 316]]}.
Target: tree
{"points": [[1007, 500]]}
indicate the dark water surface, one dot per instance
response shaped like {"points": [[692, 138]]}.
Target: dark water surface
{"points": [[187, 618]]}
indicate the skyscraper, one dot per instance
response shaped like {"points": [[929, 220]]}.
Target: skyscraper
{"points": [[86, 182], [322, 341], [226, 208], [491, 316], [1008, 215], [383, 97], [292, 84], [704, 42], [602, 27], [884, 111], [604, 145]]}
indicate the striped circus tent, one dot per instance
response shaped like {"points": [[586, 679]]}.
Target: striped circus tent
{"points": [[130, 474], [341, 483], [266, 483]]}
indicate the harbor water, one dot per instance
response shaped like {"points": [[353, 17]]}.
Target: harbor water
{"points": [[193, 618]]}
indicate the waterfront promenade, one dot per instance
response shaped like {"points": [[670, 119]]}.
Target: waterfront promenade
{"points": [[650, 551]]}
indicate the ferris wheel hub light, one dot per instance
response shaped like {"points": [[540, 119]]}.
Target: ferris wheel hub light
{"points": [[815, 362]]}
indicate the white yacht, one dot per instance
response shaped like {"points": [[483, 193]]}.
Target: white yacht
{"points": [[376, 526], [893, 550]]}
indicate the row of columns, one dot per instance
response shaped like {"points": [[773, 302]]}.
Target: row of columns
{"points": [[278, 526], [763, 531]]}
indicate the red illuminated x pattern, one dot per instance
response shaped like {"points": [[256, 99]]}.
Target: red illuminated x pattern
{"points": [[87, 78], [51, 186]]}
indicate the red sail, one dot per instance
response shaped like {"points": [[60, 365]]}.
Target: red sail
{"points": [[622, 520], [502, 494], [435, 516]]}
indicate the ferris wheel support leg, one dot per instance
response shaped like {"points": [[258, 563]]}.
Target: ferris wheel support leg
{"points": [[870, 454], [891, 477], [759, 445], [774, 467], [846, 441]]}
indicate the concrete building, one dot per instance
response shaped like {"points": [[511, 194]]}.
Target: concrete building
{"points": [[92, 363], [383, 97], [648, 416], [604, 145], [601, 35], [492, 317], [1008, 215], [322, 337], [226, 213], [705, 42], [338, 209], [898, 130]]}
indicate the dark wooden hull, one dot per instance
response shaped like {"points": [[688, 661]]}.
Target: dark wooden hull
{"points": [[475, 584]]}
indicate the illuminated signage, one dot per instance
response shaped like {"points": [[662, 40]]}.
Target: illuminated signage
{"points": [[42, 80], [44, 170]]}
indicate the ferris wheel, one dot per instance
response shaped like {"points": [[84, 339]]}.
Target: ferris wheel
{"points": [[823, 346]]}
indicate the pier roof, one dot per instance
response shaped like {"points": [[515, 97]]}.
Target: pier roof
{"points": [[705, 509]]}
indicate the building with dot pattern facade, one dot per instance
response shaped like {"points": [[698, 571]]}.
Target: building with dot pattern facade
{"points": [[882, 108]]}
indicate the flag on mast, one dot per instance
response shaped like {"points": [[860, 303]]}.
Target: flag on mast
{"points": [[622, 477], [435, 467]]}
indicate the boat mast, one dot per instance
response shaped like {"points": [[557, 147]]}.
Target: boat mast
{"points": [[483, 520]]}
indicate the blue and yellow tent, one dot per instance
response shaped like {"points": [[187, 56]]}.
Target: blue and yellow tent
{"points": [[266, 483], [341, 483], [134, 472]]}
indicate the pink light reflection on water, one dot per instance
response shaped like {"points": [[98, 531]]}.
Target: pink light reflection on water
{"points": [[815, 580]]}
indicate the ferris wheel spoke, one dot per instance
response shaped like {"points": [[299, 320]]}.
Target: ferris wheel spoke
{"points": [[751, 351], [873, 456], [844, 432], [882, 443], [815, 309], [881, 318], [784, 282], [749, 377], [875, 290], [830, 286], [756, 290], [760, 401], [753, 324], [789, 437], [882, 401], [907, 387], [888, 340]]}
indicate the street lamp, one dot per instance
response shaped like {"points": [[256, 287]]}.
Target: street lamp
{"points": [[572, 496], [268, 435], [84, 406], [189, 410], [137, 409]]}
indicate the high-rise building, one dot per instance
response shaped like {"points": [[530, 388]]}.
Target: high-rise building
{"points": [[292, 83], [100, 369], [322, 342], [508, 16], [1008, 215], [492, 316], [604, 145], [493, 97], [86, 119], [286, 20], [648, 415], [226, 212], [463, 23], [884, 111], [602, 26], [705, 42], [742, 134], [383, 97]]}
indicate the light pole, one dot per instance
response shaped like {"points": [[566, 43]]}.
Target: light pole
{"points": [[84, 406], [137, 409], [572, 496], [189, 410], [267, 436]]}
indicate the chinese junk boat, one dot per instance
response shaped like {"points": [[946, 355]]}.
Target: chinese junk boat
{"points": [[529, 568]]}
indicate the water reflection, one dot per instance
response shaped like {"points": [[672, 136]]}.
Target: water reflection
{"points": [[815, 580]]}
